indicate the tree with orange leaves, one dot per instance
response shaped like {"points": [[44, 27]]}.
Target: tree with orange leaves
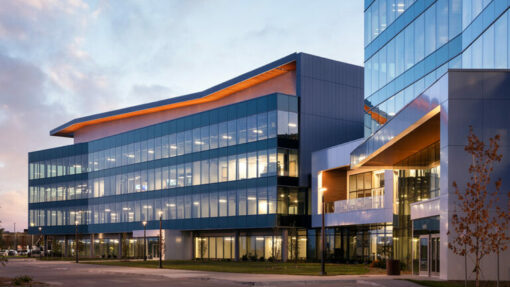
{"points": [[480, 225]]}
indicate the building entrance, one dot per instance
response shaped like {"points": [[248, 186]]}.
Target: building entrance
{"points": [[428, 255]]}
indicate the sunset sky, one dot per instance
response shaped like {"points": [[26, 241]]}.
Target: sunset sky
{"points": [[65, 59]]}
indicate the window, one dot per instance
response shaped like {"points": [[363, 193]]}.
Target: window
{"points": [[196, 173], [223, 209], [262, 163], [252, 165], [241, 130], [252, 201], [232, 168], [252, 128], [223, 169], [214, 136], [242, 166], [262, 200], [262, 126], [223, 133], [241, 202], [204, 172], [214, 204], [232, 203], [232, 133], [213, 170]]}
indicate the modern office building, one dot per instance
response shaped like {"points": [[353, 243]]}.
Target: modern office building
{"points": [[226, 170], [432, 69]]}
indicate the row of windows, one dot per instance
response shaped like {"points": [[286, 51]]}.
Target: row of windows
{"points": [[228, 168], [366, 184], [419, 39], [383, 112], [247, 129], [489, 51], [440, 23], [250, 201], [250, 247], [381, 14]]}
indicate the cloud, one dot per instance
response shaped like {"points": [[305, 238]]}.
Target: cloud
{"points": [[62, 59], [150, 92], [26, 119]]}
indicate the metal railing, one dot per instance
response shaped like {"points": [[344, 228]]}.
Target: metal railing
{"points": [[371, 202]]}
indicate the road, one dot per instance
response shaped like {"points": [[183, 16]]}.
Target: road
{"points": [[57, 273]]}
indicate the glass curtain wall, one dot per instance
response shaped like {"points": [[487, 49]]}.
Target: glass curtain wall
{"points": [[179, 168], [424, 42]]}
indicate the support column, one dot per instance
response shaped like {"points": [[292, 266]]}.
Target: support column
{"points": [[285, 244], [119, 255], [236, 246], [92, 245], [66, 246]]}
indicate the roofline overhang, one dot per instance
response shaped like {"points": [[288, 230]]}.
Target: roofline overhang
{"points": [[244, 81]]}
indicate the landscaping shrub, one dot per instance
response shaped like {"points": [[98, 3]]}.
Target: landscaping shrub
{"points": [[22, 279]]}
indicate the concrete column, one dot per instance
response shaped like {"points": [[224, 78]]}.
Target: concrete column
{"points": [[236, 246], [66, 247], [178, 245], [285, 244], [119, 255], [92, 245]]}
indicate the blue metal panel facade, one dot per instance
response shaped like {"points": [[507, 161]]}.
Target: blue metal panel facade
{"points": [[331, 110]]}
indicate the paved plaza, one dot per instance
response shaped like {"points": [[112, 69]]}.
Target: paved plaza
{"points": [[56, 273]]}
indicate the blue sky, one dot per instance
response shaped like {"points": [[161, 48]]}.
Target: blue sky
{"points": [[65, 59]]}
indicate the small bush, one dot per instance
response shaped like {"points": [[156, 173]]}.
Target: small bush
{"points": [[22, 279], [378, 263]]}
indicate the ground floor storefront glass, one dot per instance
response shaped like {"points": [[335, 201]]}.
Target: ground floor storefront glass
{"points": [[353, 244], [214, 247], [103, 246]]}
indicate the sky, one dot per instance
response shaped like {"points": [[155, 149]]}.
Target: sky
{"points": [[62, 59]]}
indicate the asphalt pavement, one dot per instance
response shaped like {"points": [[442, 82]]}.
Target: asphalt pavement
{"points": [[58, 273]]}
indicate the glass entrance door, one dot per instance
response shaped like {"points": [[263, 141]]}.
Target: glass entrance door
{"points": [[423, 261], [428, 255], [434, 254]]}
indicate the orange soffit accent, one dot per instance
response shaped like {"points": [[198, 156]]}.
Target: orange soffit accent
{"points": [[257, 79], [376, 116]]}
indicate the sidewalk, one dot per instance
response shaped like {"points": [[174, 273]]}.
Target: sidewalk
{"points": [[259, 279]]}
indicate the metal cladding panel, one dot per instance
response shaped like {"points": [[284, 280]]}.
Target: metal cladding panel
{"points": [[477, 98], [331, 110]]}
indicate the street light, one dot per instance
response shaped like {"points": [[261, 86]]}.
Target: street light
{"points": [[323, 235], [40, 240], [144, 241], [160, 240], [76, 240]]}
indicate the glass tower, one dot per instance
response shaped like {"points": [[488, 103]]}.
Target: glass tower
{"points": [[409, 44]]}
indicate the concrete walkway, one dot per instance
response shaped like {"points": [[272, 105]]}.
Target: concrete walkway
{"points": [[57, 273]]}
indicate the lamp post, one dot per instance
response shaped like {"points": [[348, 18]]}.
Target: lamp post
{"points": [[144, 241], [160, 240], [323, 235], [40, 241], [76, 240], [15, 238]]}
